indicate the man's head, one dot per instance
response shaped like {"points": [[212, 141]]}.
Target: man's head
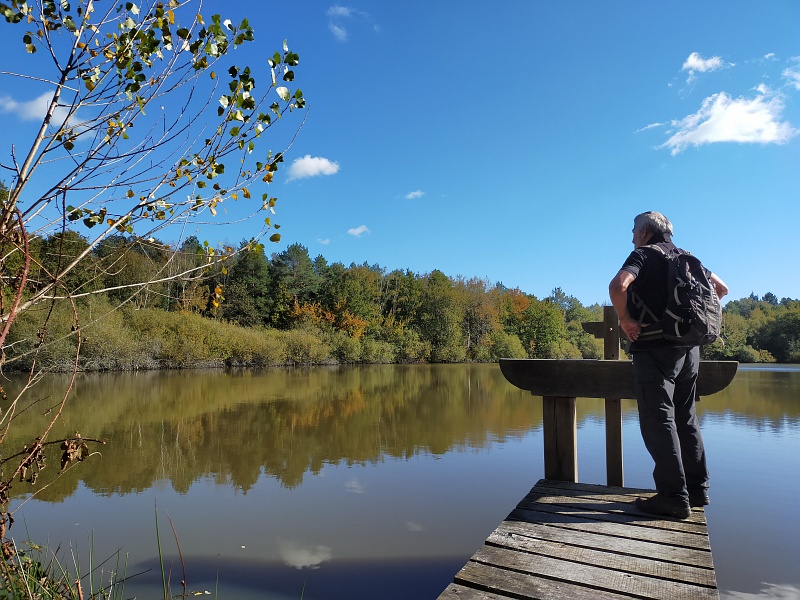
{"points": [[647, 224]]}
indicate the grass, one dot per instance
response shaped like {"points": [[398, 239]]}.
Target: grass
{"points": [[39, 573]]}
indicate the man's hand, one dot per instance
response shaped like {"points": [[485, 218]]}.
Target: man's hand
{"points": [[631, 328]]}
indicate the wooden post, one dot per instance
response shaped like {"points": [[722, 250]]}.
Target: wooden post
{"points": [[614, 465], [561, 382], [560, 432]]}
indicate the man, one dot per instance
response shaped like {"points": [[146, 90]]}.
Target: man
{"points": [[665, 374]]}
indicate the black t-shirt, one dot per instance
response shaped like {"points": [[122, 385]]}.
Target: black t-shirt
{"points": [[649, 267]]}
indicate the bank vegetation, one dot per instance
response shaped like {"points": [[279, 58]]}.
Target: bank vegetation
{"points": [[291, 309]]}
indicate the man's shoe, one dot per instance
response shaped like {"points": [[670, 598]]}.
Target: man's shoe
{"points": [[664, 506], [699, 498]]}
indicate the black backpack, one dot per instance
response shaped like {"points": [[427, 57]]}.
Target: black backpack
{"points": [[693, 316]]}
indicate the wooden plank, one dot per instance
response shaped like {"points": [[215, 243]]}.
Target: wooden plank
{"points": [[595, 328], [611, 580], [455, 591], [612, 555], [512, 584], [610, 528], [591, 488], [649, 548], [560, 433], [599, 378], [614, 512]]}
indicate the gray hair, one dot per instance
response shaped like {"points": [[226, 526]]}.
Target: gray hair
{"points": [[652, 222]]}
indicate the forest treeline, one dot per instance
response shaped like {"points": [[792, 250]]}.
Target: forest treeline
{"points": [[292, 309]]}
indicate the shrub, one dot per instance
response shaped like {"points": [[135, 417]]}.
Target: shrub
{"points": [[507, 345], [344, 348], [304, 347], [375, 351]]}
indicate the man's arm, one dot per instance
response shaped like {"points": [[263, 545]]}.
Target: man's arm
{"points": [[719, 286], [618, 290]]}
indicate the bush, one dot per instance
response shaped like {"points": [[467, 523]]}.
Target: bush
{"points": [[375, 351], [344, 348], [256, 348], [507, 345], [305, 347]]}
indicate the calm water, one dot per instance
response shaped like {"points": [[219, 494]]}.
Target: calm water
{"points": [[380, 481]]}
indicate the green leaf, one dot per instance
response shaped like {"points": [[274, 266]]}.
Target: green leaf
{"points": [[234, 131], [275, 237]]}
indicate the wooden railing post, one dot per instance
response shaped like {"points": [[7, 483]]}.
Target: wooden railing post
{"points": [[614, 465], [560, 432]]}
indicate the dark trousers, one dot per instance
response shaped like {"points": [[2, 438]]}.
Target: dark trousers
{"points": [[666, 390]]}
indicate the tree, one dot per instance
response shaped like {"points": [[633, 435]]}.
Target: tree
{"points": [[440, 317], [146, 127], [481, 317], [542, 329], [246, 287]]}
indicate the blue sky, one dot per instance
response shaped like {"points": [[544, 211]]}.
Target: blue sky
{"points": [[518, 142]]}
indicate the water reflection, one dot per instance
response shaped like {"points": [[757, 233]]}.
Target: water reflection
{"points": [[234, 425], [393, 475]]}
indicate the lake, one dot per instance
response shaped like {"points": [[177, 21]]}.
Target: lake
{"points": [[373, 481]]}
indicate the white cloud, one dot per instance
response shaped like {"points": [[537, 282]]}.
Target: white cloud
{"points": [[725, 119], [311, 166], [340, 33], [324, 242], [651, 126], [340, 11], [339, 17], [697, 64], [357, 231], [414, 526], [32, 110], [792, 74], [414, 195]]}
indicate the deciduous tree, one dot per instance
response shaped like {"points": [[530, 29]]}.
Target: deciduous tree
{"points": [[146, 126]]}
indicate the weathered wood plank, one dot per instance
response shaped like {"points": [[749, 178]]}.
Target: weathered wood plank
{"points": [[602, 541], [611, 508], [610, 503], [611, 556], [511, 584], [580, 523], [613, 504], [592, 488], [455, 591], [629, 524], [598, 378], [611, 580]]}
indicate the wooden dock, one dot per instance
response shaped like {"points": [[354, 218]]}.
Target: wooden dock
{"points": [[582, 541]]}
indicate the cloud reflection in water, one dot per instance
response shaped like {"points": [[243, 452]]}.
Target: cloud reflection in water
{"points": [[302, 556]]}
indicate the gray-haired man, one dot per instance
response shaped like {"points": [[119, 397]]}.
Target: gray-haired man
{"points": [[665, 374]]}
